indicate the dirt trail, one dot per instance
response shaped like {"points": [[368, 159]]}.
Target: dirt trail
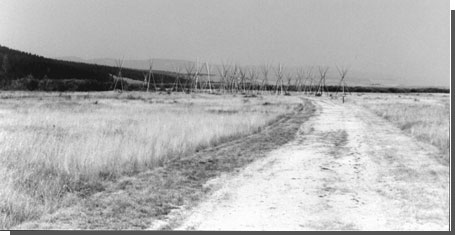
{"points": [[347, 169]]}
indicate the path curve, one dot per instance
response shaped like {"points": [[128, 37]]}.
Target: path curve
{"points": [[347, 169]]}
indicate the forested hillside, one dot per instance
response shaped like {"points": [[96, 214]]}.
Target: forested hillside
{"points": [[26, 71]]}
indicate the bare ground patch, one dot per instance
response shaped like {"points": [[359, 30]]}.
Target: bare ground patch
{"points": [[351, 170]]}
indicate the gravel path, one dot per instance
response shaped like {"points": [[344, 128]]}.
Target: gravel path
{"points": [[347, 169]]}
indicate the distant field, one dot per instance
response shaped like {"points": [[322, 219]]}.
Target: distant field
{"points": [[52, 144], [424, 116]]}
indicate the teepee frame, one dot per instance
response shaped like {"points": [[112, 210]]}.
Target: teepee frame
{"points": [[265, 79], [309, 83], [119, 64], [343, 86], [322, 87], [279, 87]]}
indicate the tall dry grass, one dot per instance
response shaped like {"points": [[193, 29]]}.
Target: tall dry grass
{"points": [[424, 116], [55, 148]]}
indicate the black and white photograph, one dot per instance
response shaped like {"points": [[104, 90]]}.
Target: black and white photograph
{"points": [[225, 115]]}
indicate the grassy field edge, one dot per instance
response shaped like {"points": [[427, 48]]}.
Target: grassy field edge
{"points": [[409, 113], [132, 202]]}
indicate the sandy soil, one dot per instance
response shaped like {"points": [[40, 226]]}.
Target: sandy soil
{"points": [[347, 169]]}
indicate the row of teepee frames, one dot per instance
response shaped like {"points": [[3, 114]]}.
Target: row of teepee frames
{"points": [[197, 77]]}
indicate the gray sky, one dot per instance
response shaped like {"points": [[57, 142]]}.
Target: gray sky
{"points": [[407, 40]]}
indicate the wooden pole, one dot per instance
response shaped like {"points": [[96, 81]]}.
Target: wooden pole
{"points": [[208, 76]]}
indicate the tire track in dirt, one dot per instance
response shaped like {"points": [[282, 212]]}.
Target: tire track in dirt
{"points": [[347, 169]]}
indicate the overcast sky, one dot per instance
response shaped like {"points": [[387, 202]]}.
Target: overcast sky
{"points": [[407, 39]]}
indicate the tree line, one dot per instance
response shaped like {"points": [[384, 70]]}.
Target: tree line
{"points": [[26, 71]]}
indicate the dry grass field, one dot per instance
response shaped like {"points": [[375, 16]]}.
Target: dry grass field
{"points": [[107, 160], [424, 116], [58, 146]]}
